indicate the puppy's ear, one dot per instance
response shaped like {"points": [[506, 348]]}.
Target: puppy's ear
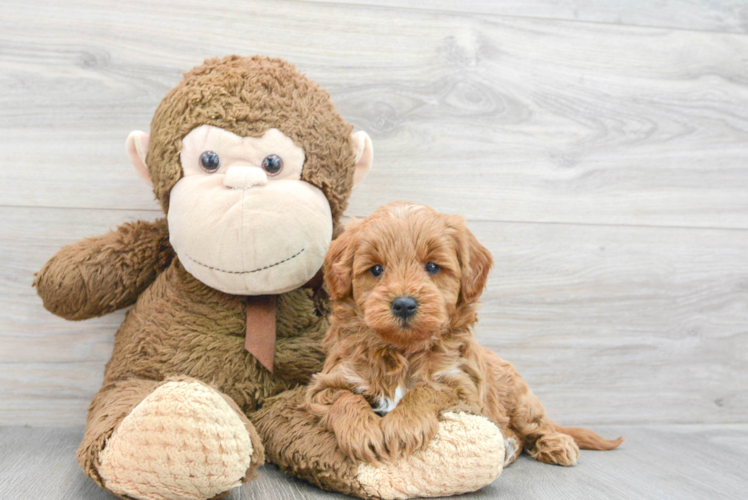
{"points": [[339, 262], [475, 262]]}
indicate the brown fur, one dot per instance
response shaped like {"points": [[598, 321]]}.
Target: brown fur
{"points": [[298, 445], [111, 270], [248, 96], [180, 327], [433, 355]]}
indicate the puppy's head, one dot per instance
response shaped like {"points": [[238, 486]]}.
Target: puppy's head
{"points": [[410, 271]]}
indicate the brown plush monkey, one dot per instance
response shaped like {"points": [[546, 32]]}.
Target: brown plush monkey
{"points": [[253, 166]]}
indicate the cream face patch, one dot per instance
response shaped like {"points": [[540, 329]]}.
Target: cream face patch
{"points": [[234, 150], [241, 220]]}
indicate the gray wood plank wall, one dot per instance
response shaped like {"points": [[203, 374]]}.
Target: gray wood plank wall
{"points": [[599, 149]]}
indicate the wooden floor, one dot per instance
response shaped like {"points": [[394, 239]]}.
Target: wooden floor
{"points": [[681, 462], [598, 148]]}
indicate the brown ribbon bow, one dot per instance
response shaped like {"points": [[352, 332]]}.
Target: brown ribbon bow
{"points": [[261, 334]]}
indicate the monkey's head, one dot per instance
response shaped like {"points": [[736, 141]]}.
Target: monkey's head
{"points": [[253, 166]]}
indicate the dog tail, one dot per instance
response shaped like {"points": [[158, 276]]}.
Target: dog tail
{"points": [[590, 440]]}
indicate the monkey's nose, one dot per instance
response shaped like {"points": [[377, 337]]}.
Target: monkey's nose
{"points": [[404, 307], [244, 177]]}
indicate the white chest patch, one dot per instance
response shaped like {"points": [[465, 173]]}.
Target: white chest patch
{"points": [[386, 405], [510, 448]]}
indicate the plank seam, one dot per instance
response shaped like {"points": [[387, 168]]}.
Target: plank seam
{"points": [[525, 18]]}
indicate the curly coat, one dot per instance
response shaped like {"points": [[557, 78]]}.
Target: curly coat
{"points": [[430, 362]]}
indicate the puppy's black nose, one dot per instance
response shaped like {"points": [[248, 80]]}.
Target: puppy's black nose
{"points": [[404, 307]]}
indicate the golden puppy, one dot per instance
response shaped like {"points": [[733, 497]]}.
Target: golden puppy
{"points": [[405, 283]]}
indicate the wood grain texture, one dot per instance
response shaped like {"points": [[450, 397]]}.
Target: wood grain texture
{"points": [[501, 118], [49, 368], [603, 165], [729, 16], [656, 462], [607, 324]]}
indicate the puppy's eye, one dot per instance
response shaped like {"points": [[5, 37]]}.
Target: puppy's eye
{"points": [[432, 268], [272, 164], [376, 271], [210, 161]]}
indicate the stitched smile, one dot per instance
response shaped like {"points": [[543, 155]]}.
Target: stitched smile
{"points": [[247, 272]]}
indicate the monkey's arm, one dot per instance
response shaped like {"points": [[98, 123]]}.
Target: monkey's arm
{"points": [[102, 274]]}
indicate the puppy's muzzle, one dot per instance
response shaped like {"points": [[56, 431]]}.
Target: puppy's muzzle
{"points": [[404, 307]]}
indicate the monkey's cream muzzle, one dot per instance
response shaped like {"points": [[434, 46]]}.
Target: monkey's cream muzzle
{"points": [[239, 230], [265, 240]]}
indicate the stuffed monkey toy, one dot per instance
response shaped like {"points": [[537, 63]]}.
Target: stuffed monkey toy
{"points": [[253, 167]]}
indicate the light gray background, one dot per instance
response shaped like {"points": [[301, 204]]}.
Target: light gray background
{"points": [[598, 148]]}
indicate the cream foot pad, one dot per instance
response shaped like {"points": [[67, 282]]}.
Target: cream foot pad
{"points": [[466, 454], [182, 442]]}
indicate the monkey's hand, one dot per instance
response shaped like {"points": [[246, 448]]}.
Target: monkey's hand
{"points": [[99, 275]]}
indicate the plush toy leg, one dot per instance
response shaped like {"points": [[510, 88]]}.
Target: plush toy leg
{"points": [[466, 454], [176, 439]]}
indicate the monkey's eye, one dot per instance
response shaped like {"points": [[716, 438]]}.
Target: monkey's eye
{"points": [[432, 268], [210, 161], [272, 164], [376, 271]]}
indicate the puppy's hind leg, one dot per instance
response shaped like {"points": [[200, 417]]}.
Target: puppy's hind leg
{"points": [[548, 442], [543, 441]]}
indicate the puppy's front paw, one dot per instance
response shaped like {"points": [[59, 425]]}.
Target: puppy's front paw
{"points": [[363, 440], [556, 448], [408, 431]]}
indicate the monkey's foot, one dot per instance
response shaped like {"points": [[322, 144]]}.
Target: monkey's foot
{"points": [[466, 454], [184, 441]]}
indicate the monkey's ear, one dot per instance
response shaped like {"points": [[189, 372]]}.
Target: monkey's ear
{"points": [[137, 148], [339, 262], [364, 151]]}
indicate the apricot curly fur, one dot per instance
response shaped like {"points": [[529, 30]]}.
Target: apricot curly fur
{"points": [[327, 432], [432, 356]]}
